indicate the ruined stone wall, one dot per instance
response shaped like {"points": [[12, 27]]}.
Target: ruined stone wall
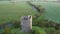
{"points": [[26, 23]]}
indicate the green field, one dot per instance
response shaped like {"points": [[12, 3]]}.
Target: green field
{"points": [[10, 11], [52, 10], [13, 11]]}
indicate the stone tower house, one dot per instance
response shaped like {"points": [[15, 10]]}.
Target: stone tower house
{"points": [[26, 23]]}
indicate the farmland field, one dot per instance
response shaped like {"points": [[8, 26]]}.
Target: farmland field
{"points": [[52, 10], [13, 11]]}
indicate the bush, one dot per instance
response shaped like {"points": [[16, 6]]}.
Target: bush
{"points": [[37, 30], [37, 19], [7, 30], [57, 27], [50, 30], [56, 32], [16, 24]]}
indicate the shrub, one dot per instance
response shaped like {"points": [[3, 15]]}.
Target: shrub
{"points": [[37, 19], [37, 30], [50, 30], [7, 30], [16, 24], [56, 32]]}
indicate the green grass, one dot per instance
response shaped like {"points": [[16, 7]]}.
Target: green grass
{"points": [[37, 29], [10, 11], [52, 10]]}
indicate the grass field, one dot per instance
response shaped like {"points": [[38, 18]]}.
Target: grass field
{"points": [[52, 10], [10, 11], [13, 11]]}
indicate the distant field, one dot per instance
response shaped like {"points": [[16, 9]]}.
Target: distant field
{"points": [[52, 10], [10, 11]]}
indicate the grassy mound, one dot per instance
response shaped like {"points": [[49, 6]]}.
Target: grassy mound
{"points": [[37, 30]]}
